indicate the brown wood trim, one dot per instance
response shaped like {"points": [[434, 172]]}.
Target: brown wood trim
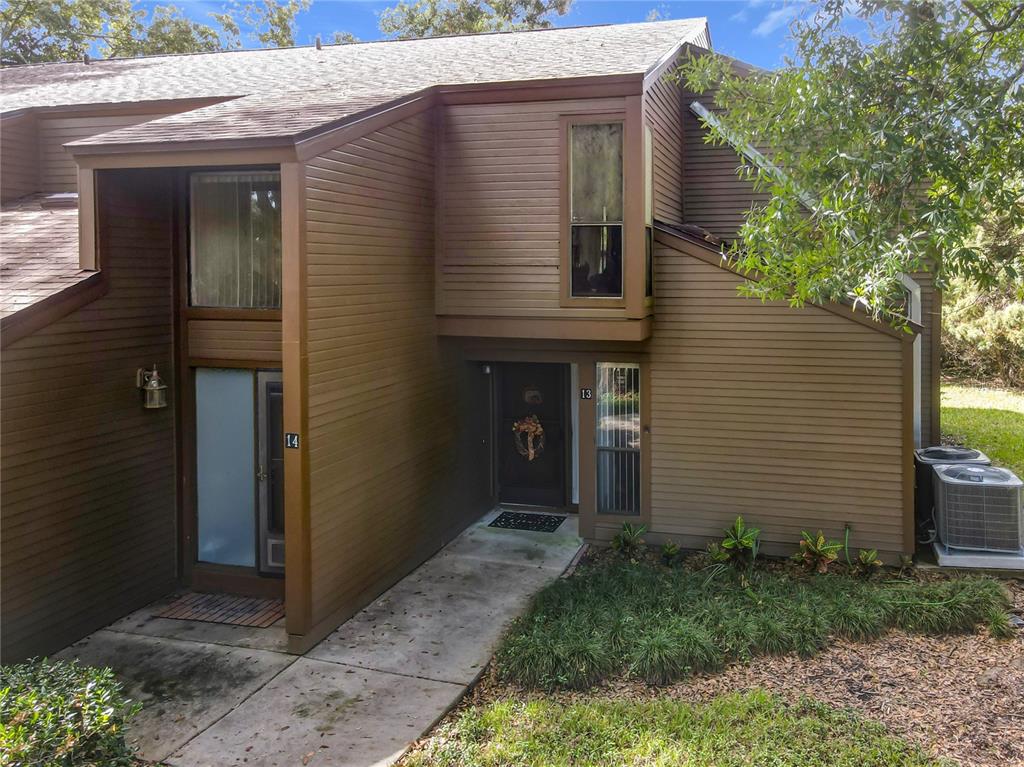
{"points": [[95, 109], [245, 581], [295, 368], [185, 397], [247, 364], [569, 329], [88, 258], [634, 234], [440, 210], [543, 90], [669, 61], [709, 255], [587, 371], [216, 313], [190, 154], [907, 436], [565, 297], [37, 316], [935, 416]]}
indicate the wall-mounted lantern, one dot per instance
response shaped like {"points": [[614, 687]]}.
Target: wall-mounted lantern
{"points": [[153, 388]]}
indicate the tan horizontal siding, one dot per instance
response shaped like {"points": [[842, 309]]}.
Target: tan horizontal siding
{"points": [[88, 497], [253, 340], [19, 157], [57, 169], [790, 417], [662, 112], [714, 197], [499, 196], [382, 393]]}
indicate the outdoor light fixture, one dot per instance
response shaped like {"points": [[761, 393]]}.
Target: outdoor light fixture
{"points": [[153, 388]]}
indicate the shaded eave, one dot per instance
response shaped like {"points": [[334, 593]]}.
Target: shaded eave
{"points": [[710, 254], [302, 145]]}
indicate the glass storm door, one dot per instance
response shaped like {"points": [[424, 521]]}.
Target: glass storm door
{"points": [[240, 468]]}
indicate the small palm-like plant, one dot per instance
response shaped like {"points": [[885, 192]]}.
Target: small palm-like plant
{"points": [[741, 542], [868, 563], [629, 540], [817, 552]]}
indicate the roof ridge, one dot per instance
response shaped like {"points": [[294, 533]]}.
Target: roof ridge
{"points": [[143, 57]]}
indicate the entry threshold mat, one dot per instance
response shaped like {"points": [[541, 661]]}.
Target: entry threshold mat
{"points": [[517, 520], [224, 608]]}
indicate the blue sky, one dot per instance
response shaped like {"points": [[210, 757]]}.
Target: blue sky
{"points": [[751, 30]]}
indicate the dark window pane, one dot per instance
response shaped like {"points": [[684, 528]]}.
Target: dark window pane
{"points": [[649, 264], [597, 261], [597, 172], [236, 240]]}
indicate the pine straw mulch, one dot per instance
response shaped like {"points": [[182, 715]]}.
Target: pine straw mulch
{"points": [[960, 697]]}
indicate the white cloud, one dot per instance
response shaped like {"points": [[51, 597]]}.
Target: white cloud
{"points": [[776, 19]]}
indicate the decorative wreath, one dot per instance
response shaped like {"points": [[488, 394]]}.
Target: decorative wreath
{"points": [[533, 444]]}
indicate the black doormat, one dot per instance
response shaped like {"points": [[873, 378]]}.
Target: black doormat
{"points": [[539, 523]]}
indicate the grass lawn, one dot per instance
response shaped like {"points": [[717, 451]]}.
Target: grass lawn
{"points": [[991, 420], [752, 728], [616, 618]]}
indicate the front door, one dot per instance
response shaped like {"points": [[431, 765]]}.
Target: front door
{"points": [[532, 434]]}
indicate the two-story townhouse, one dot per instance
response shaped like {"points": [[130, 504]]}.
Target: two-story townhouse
{"points": [[389, 286]]}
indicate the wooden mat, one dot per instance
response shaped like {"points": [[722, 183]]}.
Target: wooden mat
{"points": [[224, 608]]}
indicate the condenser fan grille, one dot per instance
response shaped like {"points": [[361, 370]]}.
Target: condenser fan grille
{"points": [[978, 508]]}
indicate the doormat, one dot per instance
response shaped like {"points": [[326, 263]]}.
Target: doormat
{"points": [[224, 608], [538, 523]]}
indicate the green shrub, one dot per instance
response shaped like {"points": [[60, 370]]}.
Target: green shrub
{"points": [[613, 617], [817, 552], [60, 714], [629, 541], [983, 332], [741, 543]]}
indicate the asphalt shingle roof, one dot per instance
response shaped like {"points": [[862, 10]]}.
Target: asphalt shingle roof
{"points": [[38, 252], [287, 91]]}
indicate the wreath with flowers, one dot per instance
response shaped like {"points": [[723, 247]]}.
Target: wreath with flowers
{"points": [[529, 437]]}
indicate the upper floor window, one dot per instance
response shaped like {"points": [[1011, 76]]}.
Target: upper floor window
{"points": [[596, 208], [235, 259]]}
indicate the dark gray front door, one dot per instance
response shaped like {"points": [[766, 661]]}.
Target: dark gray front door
{"points": [[532, 389]]}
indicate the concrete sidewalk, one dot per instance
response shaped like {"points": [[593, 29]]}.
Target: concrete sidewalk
{"points": [[228, 695]]}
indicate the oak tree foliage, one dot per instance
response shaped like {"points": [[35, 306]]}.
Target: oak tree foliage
{"points": [[34, 31], [896, 129], [427, 18]]}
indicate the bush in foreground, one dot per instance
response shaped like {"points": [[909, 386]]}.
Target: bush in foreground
{"points": [[61, 714], [657, 624], [752, 728]]}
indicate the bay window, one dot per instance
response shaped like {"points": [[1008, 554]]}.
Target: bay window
{"points": [[235, 253]]}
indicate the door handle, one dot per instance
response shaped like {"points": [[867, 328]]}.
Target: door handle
{"points": [[261, 475]]}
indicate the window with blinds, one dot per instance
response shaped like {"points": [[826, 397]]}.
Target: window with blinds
{"points": [[235, 259], [618, 438]]}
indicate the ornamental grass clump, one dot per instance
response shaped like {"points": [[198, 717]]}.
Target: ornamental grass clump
{"points": [[59, 713], [614, 618]]}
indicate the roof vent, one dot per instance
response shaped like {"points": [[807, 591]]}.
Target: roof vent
{"points": [[60, 200]]}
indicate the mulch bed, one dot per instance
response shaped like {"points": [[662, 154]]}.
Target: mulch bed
{"points": [[960, 697]]}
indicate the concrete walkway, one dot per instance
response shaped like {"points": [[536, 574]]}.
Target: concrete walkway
{"points": [[228, 695]]}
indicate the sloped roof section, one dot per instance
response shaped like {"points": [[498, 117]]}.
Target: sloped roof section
{"points": [[288, 91], [38, 253]]}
